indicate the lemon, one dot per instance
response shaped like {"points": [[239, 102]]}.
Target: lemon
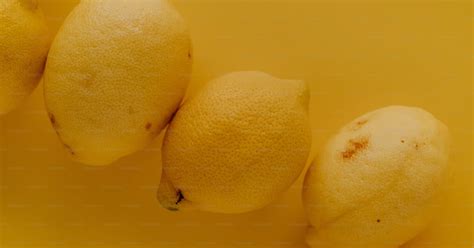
{"points": [[24, 44], [377, 181], [237, 145], [116, 73]]}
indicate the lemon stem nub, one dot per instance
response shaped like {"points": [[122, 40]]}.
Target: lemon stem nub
{"points": [[180, 197], [168, 196]]}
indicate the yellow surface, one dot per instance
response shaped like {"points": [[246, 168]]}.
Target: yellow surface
{"points": [[358, 55]]}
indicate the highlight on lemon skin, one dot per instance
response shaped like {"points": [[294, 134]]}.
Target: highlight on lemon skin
{"points": [[237, 145], [377, 182], [24, 43], [116, 73]]}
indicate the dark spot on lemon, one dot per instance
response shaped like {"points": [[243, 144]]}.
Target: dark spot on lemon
{"points": [[148, 126], [69, 148], [52, 118], [54, 121], [359, 124], [355, 146]]}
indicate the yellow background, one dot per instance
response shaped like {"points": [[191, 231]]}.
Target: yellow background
{"points": [[358, 55]]}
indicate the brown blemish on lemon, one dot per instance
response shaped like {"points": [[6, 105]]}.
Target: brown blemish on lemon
{"points": [[148, 126], [53, 120], [359, 124], [69, 148], [355, 146]]}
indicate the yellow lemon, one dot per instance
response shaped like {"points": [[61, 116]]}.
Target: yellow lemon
{"points": [[116, 73], [237, 145], [377, 181], [24, 44]]}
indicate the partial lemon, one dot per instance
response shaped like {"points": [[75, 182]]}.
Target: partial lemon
{"points": [[24, 44]]}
